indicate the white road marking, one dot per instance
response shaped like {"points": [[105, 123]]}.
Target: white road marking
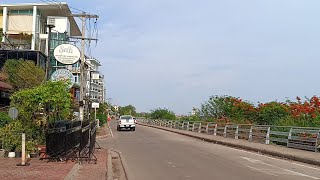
{"points": [[305, 166], [110, 130], [287, 170], [261, 170], [261, 155]]}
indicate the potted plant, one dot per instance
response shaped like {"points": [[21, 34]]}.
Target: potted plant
{"points": [[18, 151], [10, 149], [32, 149]]}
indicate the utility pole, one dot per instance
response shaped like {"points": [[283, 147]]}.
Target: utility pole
{"points": [[84, 16], [50, 26]]}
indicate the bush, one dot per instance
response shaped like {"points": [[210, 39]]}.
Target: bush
{"points": [[102, 118], [162, 114], [4, 119]]}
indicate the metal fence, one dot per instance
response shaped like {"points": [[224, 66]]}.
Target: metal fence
{"points": [[304, 138], [71, 140]]}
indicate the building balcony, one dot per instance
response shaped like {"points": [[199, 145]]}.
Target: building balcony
{"points": [[20, 46]]}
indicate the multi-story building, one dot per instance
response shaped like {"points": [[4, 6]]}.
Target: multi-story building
{"points": [[97, 86], [26, 37], [26, 34], [25, 24]]}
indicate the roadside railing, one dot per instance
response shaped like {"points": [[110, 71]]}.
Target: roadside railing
{"points": [[71, 140], [304, 138]]}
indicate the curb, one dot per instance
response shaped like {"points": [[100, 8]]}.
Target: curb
{"points": [[73, 172], [109, 174], [238, 146]]}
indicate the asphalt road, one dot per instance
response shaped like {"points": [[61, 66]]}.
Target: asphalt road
{"points": [[152, 154]]}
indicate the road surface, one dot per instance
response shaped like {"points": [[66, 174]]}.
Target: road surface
{"points": [[153, 154]]}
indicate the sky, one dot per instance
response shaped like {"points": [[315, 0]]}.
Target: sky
{"points": [[175, 54]]}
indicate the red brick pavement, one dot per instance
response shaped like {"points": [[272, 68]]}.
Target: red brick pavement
{"points": [[42, 169], [38, 169], [94, 171]]}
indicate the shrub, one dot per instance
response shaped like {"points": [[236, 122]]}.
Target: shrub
{"points": [[4, 119]]}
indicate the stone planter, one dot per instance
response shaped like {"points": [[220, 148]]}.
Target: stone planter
{"points": [[12, 154]]}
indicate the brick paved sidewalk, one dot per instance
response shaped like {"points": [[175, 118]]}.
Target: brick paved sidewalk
{"points": [[94, 171], [38, 169], [42, 169]]}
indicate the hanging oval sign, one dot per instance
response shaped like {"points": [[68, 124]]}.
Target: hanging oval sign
{"points": [[66, 53], [63, 75]]}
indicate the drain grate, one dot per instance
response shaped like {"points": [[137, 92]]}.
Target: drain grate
{"points": [[114, 157]]}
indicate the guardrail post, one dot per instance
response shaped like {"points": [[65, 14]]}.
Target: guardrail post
{"points": [[289, 137], [318, 142], [268, 136], [207, 128], [236, 133], [199, 128], [225, 131], [215, 129], [250, 134]]}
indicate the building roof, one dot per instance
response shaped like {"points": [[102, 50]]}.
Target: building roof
{"points": [[94, 61], [50, 9]]}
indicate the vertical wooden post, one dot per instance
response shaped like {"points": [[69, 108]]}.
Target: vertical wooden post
{"points": [[23, 149]]}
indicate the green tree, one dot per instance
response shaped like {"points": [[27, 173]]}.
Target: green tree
{"points": [[128, 110], [23, 74], [54, 96], [272, 112], [4, 119], [230, 108], [162, 113]]}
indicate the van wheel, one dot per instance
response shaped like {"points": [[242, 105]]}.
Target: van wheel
{"points": [[133, 129]]}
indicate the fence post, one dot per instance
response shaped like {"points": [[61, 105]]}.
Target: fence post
{"points": [[250, 134], [188, 126], [268, 136], [237, 133], [225, 131], [207, 128], [289, 136], [199, 128], [193, 126], [215, 129], [317, 142]]}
